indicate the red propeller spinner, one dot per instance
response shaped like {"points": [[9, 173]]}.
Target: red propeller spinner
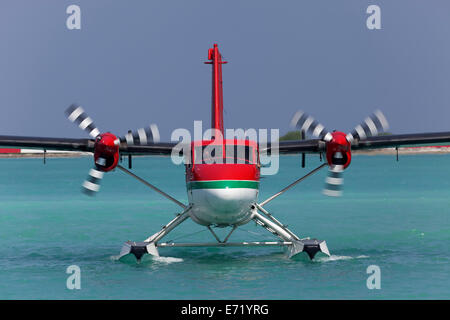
{"points": [[106, 151]]}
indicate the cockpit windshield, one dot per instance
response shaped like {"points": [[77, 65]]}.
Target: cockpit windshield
{"points": [[234, 154]]}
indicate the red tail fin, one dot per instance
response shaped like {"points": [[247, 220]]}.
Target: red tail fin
{"points": [[217, 92]]}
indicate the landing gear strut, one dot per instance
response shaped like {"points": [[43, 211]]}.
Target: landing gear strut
{"points": [[262, 217]]}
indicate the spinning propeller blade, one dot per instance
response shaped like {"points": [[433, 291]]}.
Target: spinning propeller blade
{"points": [[92, 184], [334, 181], [142, 136], [76, 114], [304, 122], [371, 126]]}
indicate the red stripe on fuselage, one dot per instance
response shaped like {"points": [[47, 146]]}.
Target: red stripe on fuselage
{"points": [[205, 172], [224, 171]]}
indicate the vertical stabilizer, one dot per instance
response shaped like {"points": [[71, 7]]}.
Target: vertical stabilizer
{"points": [[217, 92]]}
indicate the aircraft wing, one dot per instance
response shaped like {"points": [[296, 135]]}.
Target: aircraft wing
{"points": [[295, 146], [400, 140], [82, 145], [385, 141], [284, 147]]}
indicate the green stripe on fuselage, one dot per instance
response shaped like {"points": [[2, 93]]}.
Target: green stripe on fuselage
{"points": [[223, 184]]}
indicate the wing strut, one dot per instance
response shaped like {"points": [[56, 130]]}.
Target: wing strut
{"points": [[292, 184], [152, 187]]}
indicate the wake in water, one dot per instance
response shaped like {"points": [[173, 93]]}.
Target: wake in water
{"points": [[167, 260], [338, 258], [146, 259], [130, 259]]}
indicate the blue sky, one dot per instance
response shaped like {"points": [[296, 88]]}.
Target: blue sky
{"points": [[138, 62]]}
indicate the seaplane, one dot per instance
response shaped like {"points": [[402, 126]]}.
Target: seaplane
{"points": [[223, 175]]}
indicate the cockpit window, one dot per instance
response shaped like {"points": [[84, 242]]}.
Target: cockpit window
{"points": [[239, 154], [234, 154], [208, 154]]}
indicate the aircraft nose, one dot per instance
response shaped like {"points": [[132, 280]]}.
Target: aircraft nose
{"points": [[223, 202], [229, 200]]}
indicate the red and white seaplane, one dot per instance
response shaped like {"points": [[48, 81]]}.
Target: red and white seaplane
{"points": [[222, 175]]}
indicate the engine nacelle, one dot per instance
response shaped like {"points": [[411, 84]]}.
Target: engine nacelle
{"points": [[106, 152], [339, 150]]}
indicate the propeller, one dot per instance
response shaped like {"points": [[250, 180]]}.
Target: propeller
{"points": [[106, 147], [334, 181], [308, 124], [142, 136], [338, 144], [92, 184], [371, 126], [77, 115]]}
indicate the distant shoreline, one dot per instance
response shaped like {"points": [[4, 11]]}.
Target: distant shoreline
{"points": [[405, 150], [41, 155]]}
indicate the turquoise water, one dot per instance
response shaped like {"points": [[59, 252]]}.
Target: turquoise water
{"points": [[393, 214]]}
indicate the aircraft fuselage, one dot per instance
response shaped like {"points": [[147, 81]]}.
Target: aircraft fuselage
{"points": [[222, 188]]}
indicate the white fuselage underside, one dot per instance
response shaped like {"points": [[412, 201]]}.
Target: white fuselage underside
{"points": [[222, 207]]}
